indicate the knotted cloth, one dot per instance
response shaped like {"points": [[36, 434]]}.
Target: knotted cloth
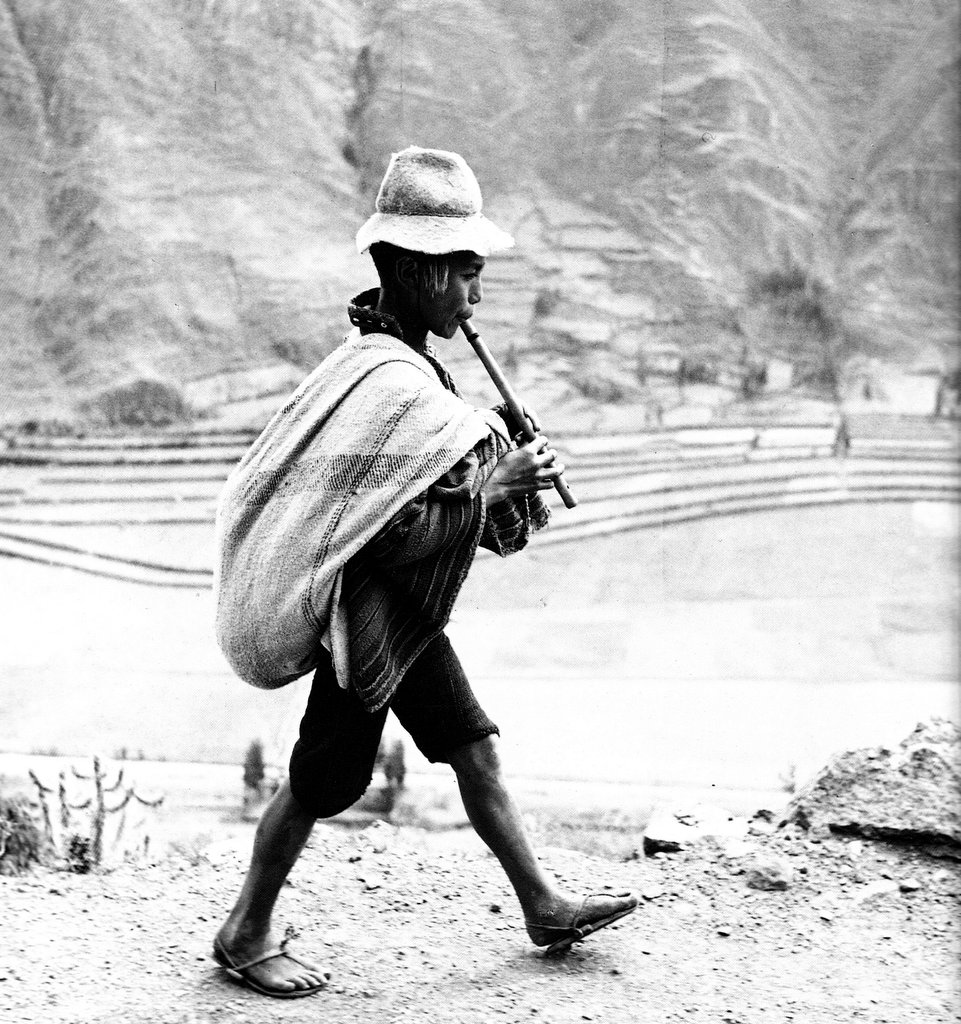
{"points": [[370, 429]]}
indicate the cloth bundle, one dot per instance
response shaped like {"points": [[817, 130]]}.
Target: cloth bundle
{"points": [[370, 429]]}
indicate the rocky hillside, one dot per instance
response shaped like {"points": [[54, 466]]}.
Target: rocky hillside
{"points": [[696, 190]]}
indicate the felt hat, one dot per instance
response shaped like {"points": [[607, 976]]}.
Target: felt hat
{"points": [[429, 201]]}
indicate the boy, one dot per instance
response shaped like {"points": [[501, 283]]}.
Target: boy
{"points": [[403, 481]]}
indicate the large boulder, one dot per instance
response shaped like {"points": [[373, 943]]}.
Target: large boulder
{"points": [[908, 795]]}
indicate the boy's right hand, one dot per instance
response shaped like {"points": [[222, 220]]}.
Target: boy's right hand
{"points": [[531, 467]]}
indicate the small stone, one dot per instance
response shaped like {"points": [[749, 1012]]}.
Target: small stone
{"points": [[724, 932], [672, 829], [879, 888], [495, 908], [909, 885], [771, 874]]}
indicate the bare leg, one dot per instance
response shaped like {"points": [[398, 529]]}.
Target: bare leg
{"points": [[496, 819], [282, 832]]}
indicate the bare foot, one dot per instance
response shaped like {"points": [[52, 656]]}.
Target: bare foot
{"points": [[265, 966]]}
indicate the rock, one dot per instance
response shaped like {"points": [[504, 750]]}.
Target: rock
{"points": [[879, 888], [909, 885], [733, 849], [907, 795], [772, 874], [762, 823], [672, 829]]}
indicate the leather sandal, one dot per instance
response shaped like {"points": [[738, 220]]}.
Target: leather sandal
{"points": [[558, 938], [238, 972]]}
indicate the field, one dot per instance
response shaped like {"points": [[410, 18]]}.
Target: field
{"points": [[733, 654]]}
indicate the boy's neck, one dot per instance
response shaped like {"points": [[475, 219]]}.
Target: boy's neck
{"points": [[411, 324]]}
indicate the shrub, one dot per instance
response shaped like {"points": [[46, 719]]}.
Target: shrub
{"points": [[254, 765], [21, 839], [546, 302], [696, 371], [395, 769], [79, 854], [140, 403], [602, 385]]}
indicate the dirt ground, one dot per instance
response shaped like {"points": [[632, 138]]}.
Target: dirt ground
{"points": [[420, 927]]}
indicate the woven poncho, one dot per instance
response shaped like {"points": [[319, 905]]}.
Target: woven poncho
{"points": [[367, 432]]}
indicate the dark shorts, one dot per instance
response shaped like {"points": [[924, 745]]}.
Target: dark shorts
{"points": [[333, 760]]}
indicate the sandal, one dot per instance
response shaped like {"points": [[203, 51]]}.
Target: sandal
{"points": [[238, 971], [558, 938]]}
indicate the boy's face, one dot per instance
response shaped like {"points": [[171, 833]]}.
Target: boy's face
{"points": [[445, 311]]}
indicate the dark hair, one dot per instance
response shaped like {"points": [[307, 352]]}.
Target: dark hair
{"points": [[432, 268]]}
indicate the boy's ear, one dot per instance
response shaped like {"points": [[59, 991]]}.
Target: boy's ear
{"points": [[407, 273]]}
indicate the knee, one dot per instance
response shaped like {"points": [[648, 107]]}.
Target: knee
{"points": [[324, 801], [478, 763]]}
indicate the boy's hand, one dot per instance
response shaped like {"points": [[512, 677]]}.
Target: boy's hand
{"points": [[529, 468], [517, 429]]}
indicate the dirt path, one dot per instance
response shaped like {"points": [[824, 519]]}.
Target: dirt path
{"points": [[413, 932]]}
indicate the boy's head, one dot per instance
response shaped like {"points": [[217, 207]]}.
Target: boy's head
{"points": [[428, 238]]}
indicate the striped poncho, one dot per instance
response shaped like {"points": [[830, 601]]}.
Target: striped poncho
{"points": [[354, 518]]}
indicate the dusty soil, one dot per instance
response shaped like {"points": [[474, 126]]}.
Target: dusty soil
{"points": [[415, 927]]}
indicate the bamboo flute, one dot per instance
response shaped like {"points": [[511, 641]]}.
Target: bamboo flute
{"points": [[513, 402]]}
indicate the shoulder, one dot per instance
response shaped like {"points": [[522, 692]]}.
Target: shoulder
{"points": [[366, 353]]}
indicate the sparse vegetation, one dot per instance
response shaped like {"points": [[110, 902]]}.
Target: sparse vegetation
{"points": [[21, 837], [254, 775], [82, 851], [788, 779], [824, 341], [192, 849], [254, 765], [140, 403], [391, 761], [78, 854], [696, 371]]}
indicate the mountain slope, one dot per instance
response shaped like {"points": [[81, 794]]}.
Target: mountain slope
{"points": [[706, 181]]}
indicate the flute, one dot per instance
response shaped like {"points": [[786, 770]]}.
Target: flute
{"points": [[510, 397]]}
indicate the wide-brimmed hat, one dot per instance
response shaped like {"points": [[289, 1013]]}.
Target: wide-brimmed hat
{"points": [[429, 201]]}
